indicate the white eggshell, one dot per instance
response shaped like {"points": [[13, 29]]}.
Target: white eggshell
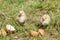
{"points": [[10, 28]]}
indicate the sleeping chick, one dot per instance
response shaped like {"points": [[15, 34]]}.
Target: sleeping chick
{"points": [[45, 20], [21, 17]]}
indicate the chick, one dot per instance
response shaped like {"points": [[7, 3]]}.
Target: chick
{"points": [[45, 20], [21, 17]]}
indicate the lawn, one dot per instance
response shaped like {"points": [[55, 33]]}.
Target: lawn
{"points": [[33, 9]]}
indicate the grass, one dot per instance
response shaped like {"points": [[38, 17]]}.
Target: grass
{"points": [[10, 8]]}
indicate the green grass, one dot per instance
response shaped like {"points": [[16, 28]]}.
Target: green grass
{"points": [[10, 8]]}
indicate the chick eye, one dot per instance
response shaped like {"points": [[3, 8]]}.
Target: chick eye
{"points": [[19, 15], [42, 19]]}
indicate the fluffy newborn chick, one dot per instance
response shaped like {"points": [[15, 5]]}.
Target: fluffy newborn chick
{"points": [[45, 20], [21, 17]]}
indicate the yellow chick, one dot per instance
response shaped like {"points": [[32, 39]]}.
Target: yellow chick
{"points": [[21, 17], [45, 19]]}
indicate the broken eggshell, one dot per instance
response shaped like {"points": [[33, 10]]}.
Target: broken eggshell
{"points": [[3, 32], [33, 33], [10, 29], [0, 32], [41, 31]]}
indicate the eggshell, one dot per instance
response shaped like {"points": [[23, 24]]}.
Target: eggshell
{"points": [[41, 31], [0, 32], [3, 32], [10, 29], [45, 19], [33, 33]]}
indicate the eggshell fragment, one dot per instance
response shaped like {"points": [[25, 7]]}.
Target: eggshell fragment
{"points": [[41, 31], [10, 29], [3, 32], [0, 32], [33, 33]]}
